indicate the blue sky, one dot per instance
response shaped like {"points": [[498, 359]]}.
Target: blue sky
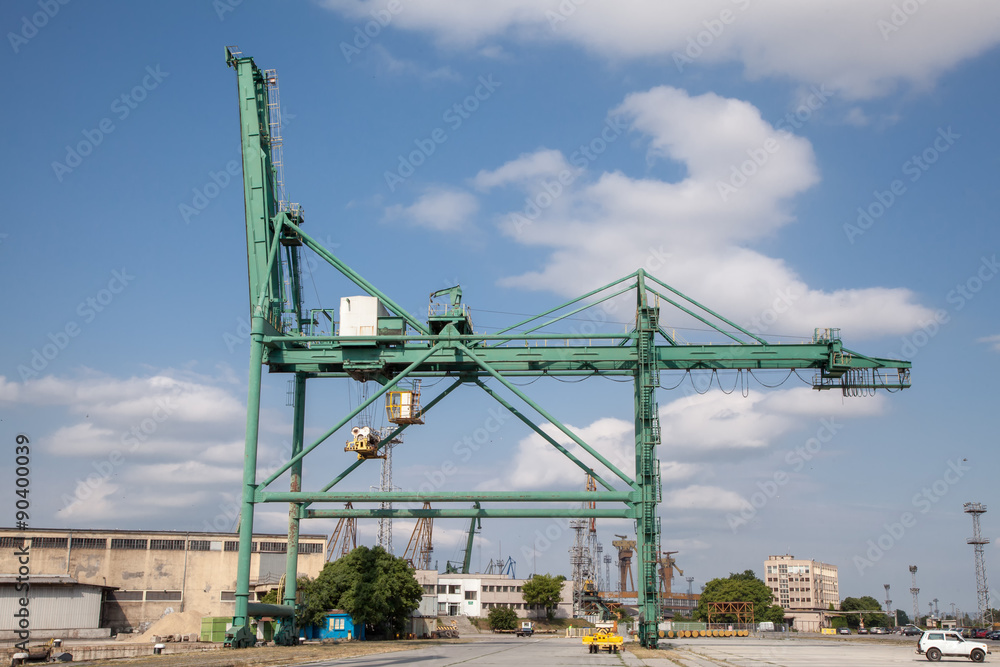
{"points": [[792, 166]]}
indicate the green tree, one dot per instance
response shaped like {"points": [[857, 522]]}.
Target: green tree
{"points": [[377, 589], [862, 603], [545, 591], [742, 587], [502, 618]]}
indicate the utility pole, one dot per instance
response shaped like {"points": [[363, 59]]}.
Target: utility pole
{"points": [[914, 591], [690, 581], [888, 607], [978, 541]]}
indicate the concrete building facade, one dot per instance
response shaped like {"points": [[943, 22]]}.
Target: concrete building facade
{"points": [[804, 589], [476, 594], [146, 574]]}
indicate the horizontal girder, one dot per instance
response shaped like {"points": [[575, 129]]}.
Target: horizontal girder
{"points": [[441, 496], [483, 512], [335, 359]]}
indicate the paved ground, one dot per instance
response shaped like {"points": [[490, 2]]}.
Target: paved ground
{"points": [[493, 651], [796, 652], [749, 652]]}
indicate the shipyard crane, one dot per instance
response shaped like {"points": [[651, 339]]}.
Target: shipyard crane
{"points": [[421, 545], [395, 346]]}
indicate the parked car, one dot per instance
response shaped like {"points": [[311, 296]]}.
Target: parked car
{"points": [[911, 630], [862, 631], [877, 631], [979, 633], [993, 634], [937, 643], [843, 631]]}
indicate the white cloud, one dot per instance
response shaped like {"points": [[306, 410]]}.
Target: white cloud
{"points": [[439, 209], [699, 497], [400, 67], [864, 48], [696, 427], [992, 341], [139, 449], [526, 168], [694, 233]]}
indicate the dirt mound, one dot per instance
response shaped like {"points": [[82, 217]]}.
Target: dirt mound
{"points": [[176, 623]]}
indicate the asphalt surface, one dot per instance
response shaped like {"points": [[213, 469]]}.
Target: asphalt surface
{"points": [[707, 652], [492, 651]]}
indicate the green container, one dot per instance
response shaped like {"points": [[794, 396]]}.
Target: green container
{"points": [[213, 628]]}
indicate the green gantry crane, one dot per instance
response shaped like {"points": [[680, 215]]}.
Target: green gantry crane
{"points": [[284, 338]]}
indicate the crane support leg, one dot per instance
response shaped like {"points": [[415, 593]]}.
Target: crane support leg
{"points": [[647, 468], [295, 509], [240, 618]]}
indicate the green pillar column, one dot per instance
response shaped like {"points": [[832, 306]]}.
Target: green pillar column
{"points": [[647, 468], [249, 473], [298, 429]]}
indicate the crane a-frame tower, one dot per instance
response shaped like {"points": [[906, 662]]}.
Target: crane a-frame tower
{"points": [[445, 346]]}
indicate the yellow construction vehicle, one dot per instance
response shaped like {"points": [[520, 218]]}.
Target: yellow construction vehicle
{"points": [[604, 638]]}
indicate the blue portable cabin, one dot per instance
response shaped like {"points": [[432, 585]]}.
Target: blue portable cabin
{"points": [[337, 624]]}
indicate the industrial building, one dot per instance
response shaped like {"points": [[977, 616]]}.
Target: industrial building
{"points": [[804, 589], [476, 594], [119, 580]]}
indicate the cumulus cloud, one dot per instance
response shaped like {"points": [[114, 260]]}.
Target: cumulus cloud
{"points": [[700, 497], [693, 428], [784, 39], [141, 448], [527, 167], [695, 233], [439, 209], [992, 341]]}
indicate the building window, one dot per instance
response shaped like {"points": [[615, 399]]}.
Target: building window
{"points": [[443, 608], [163, 595], [470, 595], [123, 543], [88, 543], [273, 547], [166, 545], [199, 545], [49, 542], [442, 589], [125, 596], [311, 548], [11, 542], [454, 590], [228, 596], [235, 546]]}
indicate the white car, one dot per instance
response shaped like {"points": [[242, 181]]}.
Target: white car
{"points": [[937, 643]]}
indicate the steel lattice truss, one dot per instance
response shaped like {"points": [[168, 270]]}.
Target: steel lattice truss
{"points": [[283, 338]]}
